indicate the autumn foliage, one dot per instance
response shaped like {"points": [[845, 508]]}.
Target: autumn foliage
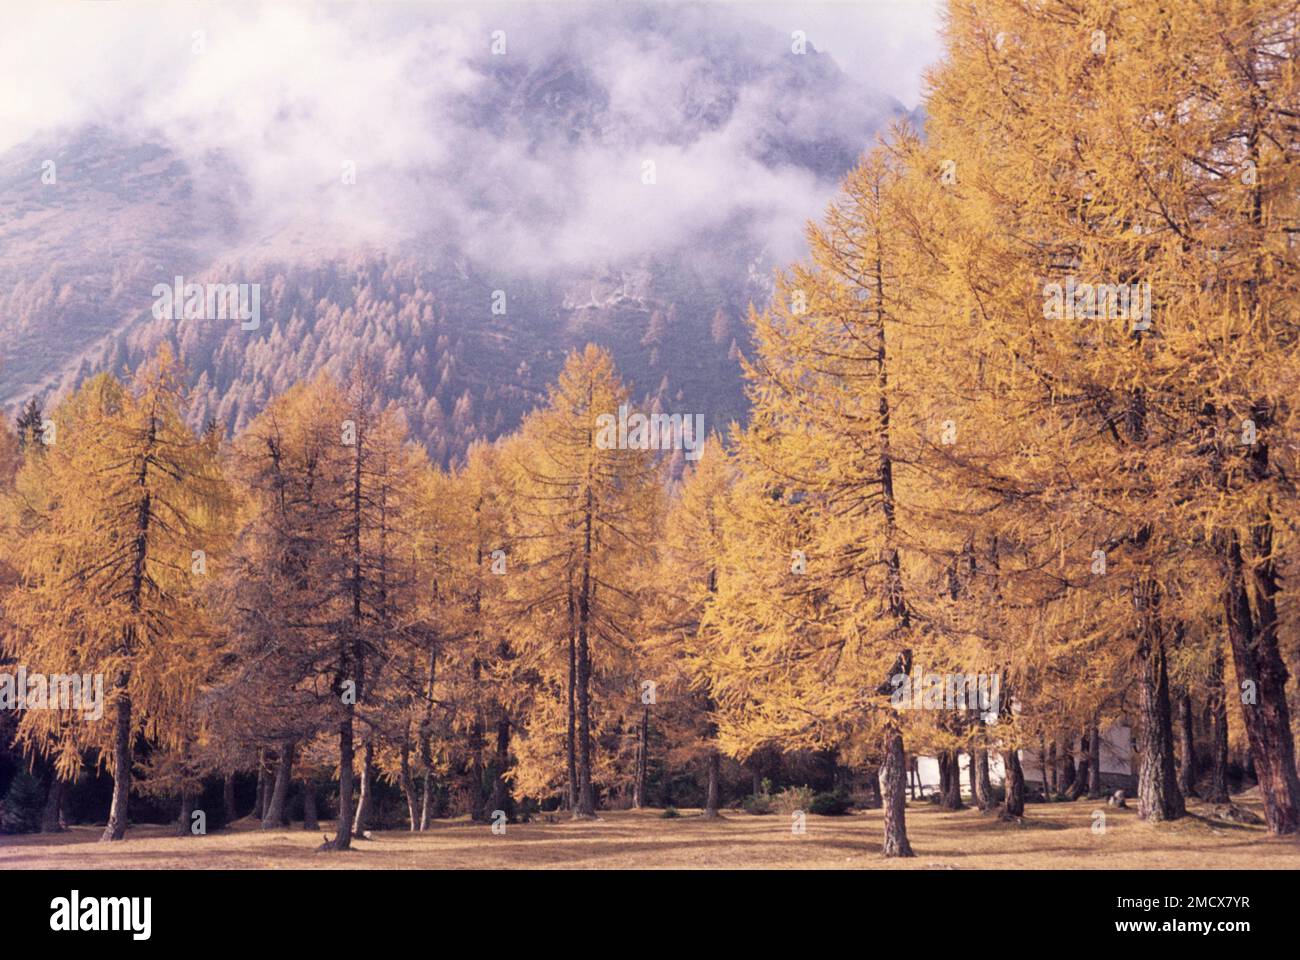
{"points": [[1025, 412]]}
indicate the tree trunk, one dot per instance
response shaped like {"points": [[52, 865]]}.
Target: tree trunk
{"points": [[477, 788], [500, 796], [1053, 784], [351, 667], [259, 805], [274, 816], [571, 743], [1094, 769], [228, 798], [1013, 806], [638, 784], [51, 819], [63, 805], [1065, 784], [586, 807], [1083, 773], [1217, 708], [115, 829], [711, 793], [408, 784], [1187, 768], [983, 786], [1271, 744], [950, 781], [343, 834], [187, 813], [1263, 675], [1158, 796], [310, 816], [893, 770], [426, 751], [362, 821], [873, 784], [123, 752], [426, 801]]}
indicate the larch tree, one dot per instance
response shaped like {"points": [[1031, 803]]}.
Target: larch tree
{"points": [[815, 608], [282, 594], [129, 502], [1158, 260], [583, 499], [677, 689]]}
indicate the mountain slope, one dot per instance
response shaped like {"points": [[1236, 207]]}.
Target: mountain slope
{"points": [[662, 272]]}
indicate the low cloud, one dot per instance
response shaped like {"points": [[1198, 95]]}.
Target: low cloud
{"points": [[536, 158]]}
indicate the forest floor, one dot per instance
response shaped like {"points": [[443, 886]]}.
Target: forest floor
{"points": [[1058, 835]]}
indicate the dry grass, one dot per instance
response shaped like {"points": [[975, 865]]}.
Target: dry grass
{"points": [[1052, 836]]}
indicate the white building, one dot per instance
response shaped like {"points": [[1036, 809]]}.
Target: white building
{"points": [[1117, 770]]}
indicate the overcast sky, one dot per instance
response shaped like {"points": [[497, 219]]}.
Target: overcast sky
{"points": [[884, 43]]}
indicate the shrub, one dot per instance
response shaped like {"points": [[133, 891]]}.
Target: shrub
{"points": [[864, 800], [670, 813], [793, 799], [21, 808], [834, 803], [760, 803]]}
